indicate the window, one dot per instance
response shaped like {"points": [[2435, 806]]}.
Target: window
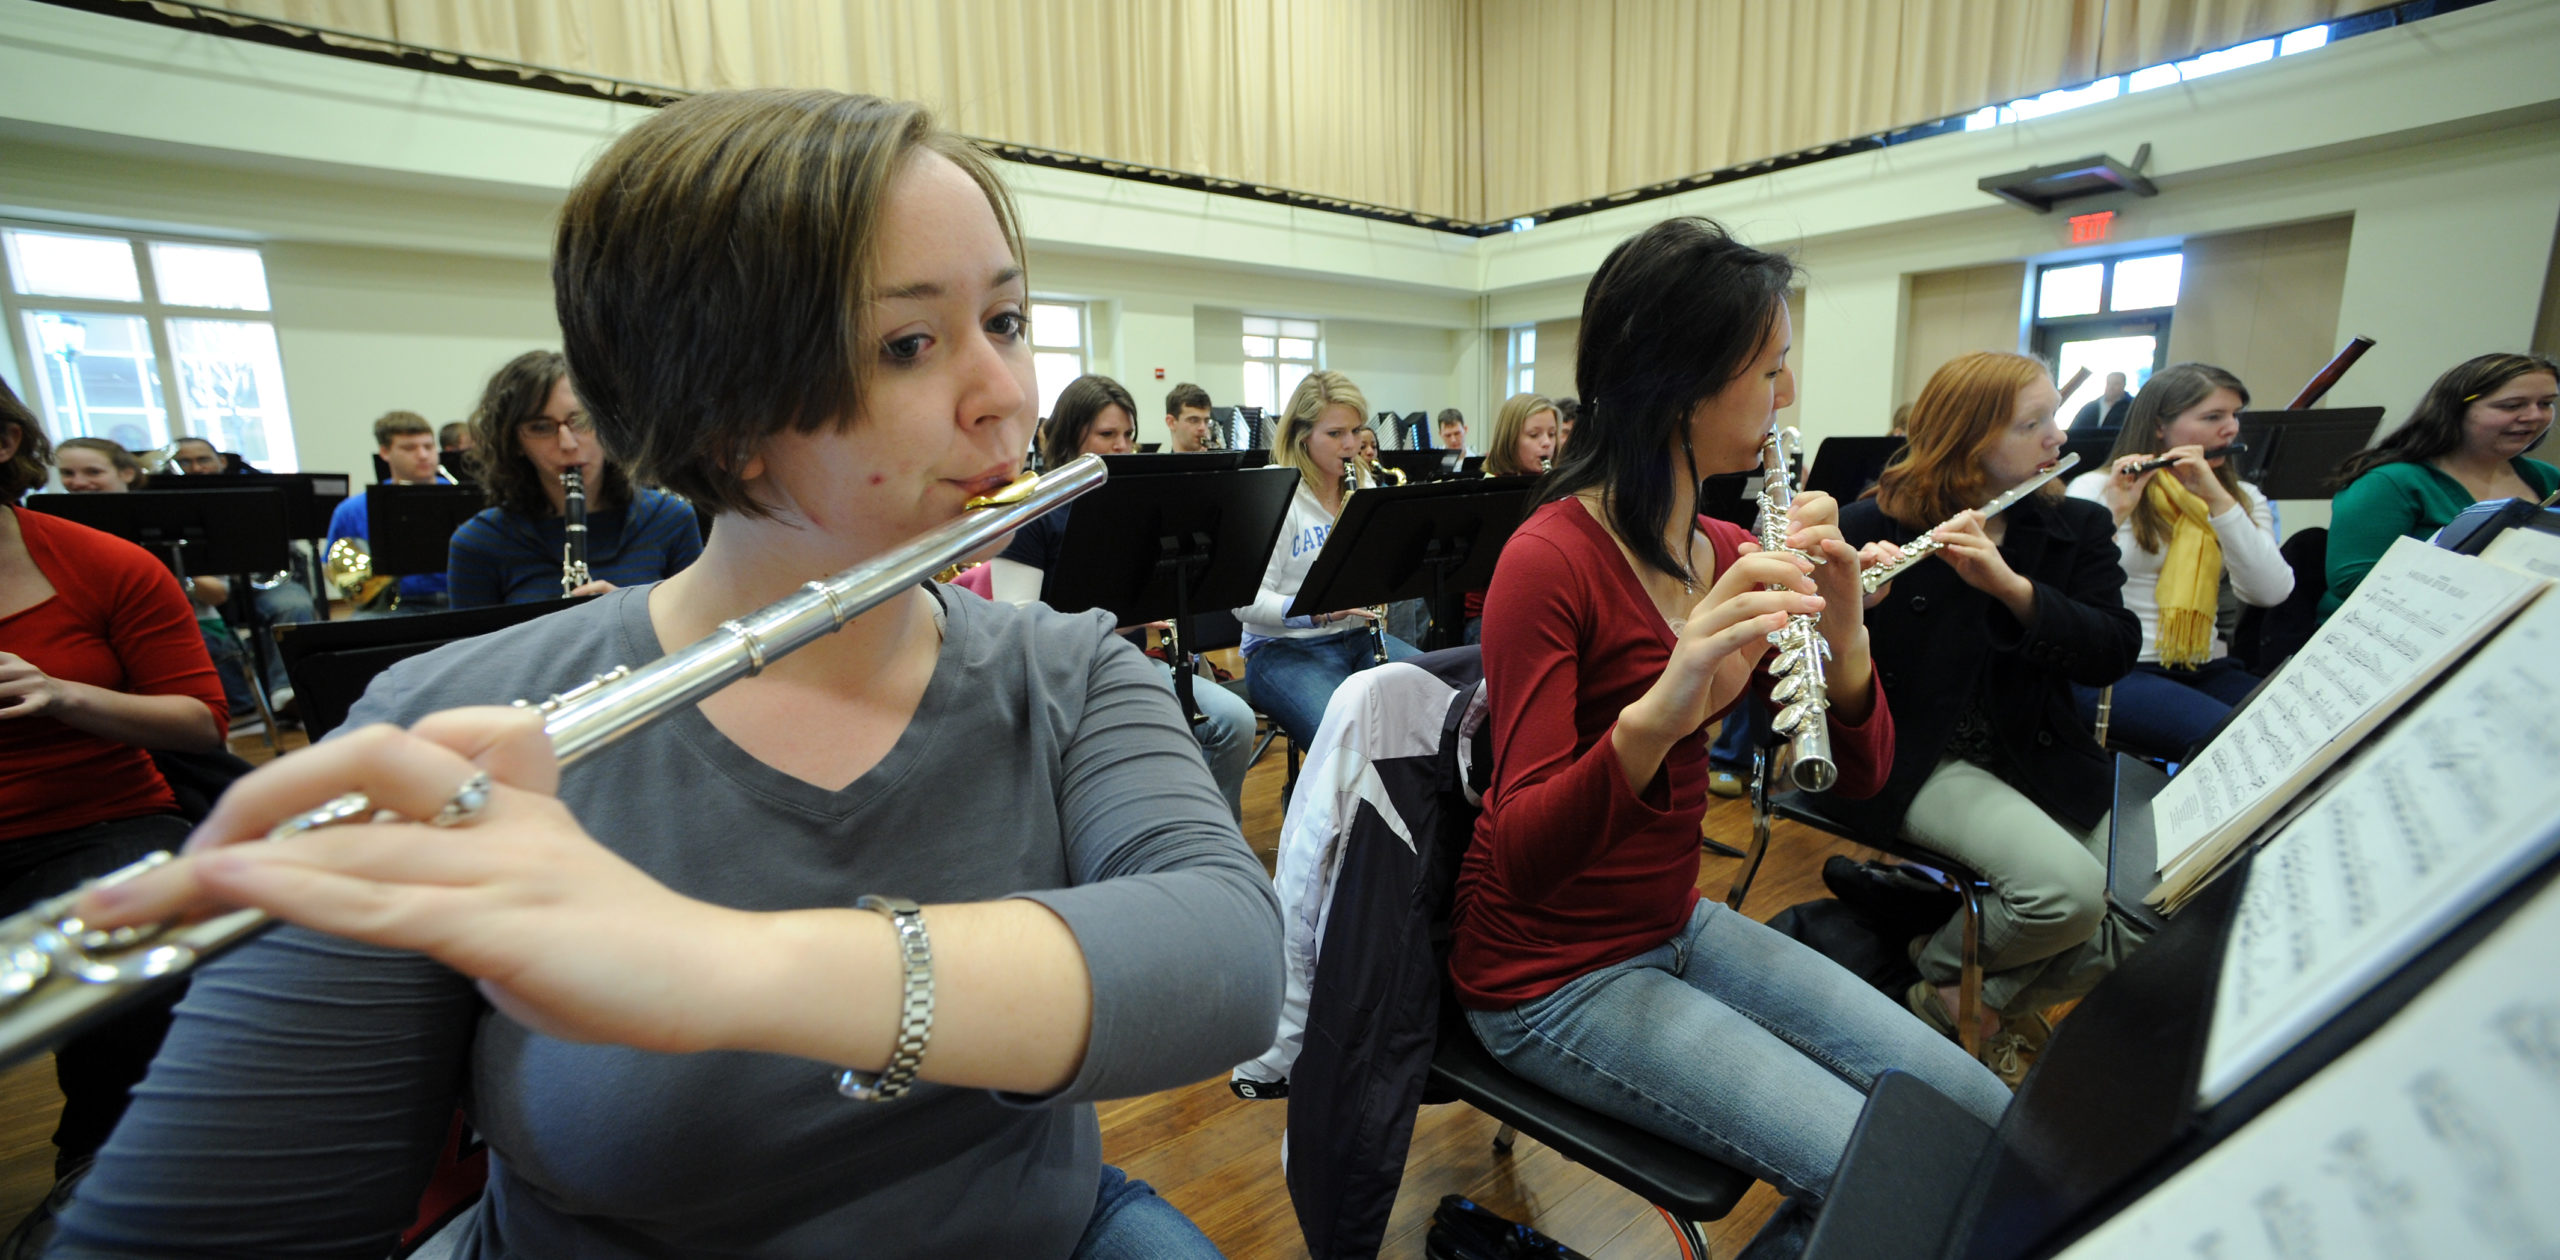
{"points": [[2147, 78], [2107, 315], [1058, 345], [122, 334], [1524, 359], [1278, 353]]}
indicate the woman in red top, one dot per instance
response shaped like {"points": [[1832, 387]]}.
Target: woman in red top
{"points": [[100, 660], [1619, 624]]}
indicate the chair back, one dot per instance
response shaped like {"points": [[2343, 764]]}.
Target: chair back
{"points": [[332, 662], [2267, 637]]}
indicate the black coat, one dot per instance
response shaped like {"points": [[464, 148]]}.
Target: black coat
{"points": [[1939, 645]]}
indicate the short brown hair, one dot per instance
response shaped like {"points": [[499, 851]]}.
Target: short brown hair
{"points": [[32, 462], [516, 393], [1961, 411], [711, 273], [1450, 416], [1078, 406], [1184, 395], [399, 424]]}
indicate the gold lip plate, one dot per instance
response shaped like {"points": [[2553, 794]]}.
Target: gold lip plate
{"points": [[1012, 492]]}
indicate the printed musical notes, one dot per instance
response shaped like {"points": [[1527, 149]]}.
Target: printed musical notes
{"points": [[2418, 611], [2425, 826], [2438, 1136]]}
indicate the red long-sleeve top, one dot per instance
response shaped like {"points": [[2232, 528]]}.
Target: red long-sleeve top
{"points": [[1572, 868], [117, 620]]}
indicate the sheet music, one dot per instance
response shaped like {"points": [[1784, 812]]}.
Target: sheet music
{"points": [[2438, 1136], [2528, 550], [2413, 614], [2427, 825]]}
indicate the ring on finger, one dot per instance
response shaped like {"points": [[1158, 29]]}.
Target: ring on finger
{"points": [[467, 803]]}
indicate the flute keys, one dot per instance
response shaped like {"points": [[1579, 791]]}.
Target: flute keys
{"points": [[1795, 715]]}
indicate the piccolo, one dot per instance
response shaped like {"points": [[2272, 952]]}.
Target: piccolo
{"points": [[1797, 650], [2155, 465], [573, 522], [57, 974], [1926, 545]]}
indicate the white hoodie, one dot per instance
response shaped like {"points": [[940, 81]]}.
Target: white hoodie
{"points": [[1292, 555]]}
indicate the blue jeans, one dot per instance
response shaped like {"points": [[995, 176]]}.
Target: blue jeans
{"points": [[1131, 1222], [1742, 731], [1735, 1041], [1226, 739], [2165, 711], [1294, 679]]}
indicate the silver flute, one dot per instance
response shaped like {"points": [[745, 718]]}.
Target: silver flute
{"points": [[1798, 652], [57, 974], [1926, 545]]}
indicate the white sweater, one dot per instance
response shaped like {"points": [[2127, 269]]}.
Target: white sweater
{"points": [[1292, 555], [2250, 561]]}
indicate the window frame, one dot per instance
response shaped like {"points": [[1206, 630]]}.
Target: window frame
{"points": [[154, 313], [1280, 328], [2046, 334], [1083, 349], [1520, 363]]}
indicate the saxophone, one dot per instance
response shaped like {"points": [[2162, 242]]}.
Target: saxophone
{"points": [[573, 549], [1799, 651]]}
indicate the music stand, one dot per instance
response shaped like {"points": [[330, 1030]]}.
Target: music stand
{"points": [[1424, 465], [1845, 466], [2295, 453], [201, 531], [332, 662], [1159, 548], [410, 528], [1178, 462], [309, 498], [1435, 541], [1733, 498]]}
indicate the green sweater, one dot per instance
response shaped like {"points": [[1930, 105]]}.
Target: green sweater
{"points": [[2397, 499]]}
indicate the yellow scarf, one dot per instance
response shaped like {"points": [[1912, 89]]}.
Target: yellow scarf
{"points": [[2190, 574]]}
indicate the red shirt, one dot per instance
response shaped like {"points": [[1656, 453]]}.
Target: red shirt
{"points": [[1571, 869], [117, 620]]}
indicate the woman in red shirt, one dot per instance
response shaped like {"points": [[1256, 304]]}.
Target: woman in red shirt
{"points": [[1619, 625], [100, 660]]}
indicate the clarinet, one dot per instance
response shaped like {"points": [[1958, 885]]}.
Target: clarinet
{"points": [[57, 974], [1921, 548], [573, 551], [1803, 690], [1377, 625]]}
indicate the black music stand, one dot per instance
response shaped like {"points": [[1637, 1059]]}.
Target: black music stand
{"points": [[1157, 548], [2293, 454], [1435, 542], [1733, 498], [309, 498], [332, 662], [1845, 466], [409, 529], [192, 531], [1425, 465], [1143, 465]]}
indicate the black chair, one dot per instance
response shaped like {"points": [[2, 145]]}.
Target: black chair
{"points": [[332, 662], [2267, 637], [1680, 1183]]}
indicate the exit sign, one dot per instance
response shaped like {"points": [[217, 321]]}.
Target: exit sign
{"points": [[2090, 228]]}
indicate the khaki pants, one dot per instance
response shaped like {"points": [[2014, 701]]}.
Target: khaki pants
{"points": [[2048, 935]]}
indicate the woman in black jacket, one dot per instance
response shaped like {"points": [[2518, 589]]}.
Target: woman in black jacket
{"points": [[1979, 648]]}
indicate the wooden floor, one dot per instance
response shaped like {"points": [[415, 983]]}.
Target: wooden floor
{"points": [[1217, 1156]]}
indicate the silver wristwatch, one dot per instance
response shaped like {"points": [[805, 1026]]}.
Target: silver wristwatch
{"points": [[915, 1006]]}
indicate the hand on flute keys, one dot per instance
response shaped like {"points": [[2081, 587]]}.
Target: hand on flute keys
{"points": [[1813, 525], [2125, 487], [1722, 641], [1965, 544]]}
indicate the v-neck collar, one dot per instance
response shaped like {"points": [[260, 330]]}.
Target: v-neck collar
{"points": [[1630, 587], [914, 749]]}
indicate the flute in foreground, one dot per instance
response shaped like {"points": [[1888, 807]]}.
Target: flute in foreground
{"points": [[1803, 690], [57, 974], [1927, 545]]}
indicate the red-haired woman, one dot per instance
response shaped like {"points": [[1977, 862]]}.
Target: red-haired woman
{"points": [[1979, 649]]}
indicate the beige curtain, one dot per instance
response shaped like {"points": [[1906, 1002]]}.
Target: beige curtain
{"points": [[1472, 109]]}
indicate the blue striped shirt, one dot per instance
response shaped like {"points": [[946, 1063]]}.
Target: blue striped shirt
{"points": [[502, 557]]}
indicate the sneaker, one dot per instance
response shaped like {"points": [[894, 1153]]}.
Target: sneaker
{"points": [[1726, 783], [2007, 1056], [1922, 999]]}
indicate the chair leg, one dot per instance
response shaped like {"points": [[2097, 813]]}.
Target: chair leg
{"points": [[2106, 712], [1692, 1246], [1503, 1138], [1759, 831], [1969, 976]]}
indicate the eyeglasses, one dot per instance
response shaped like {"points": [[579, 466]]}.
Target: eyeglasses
{"points": [[547, 429]]}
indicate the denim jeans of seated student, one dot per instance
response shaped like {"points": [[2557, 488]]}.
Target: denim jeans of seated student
{"points": [[1742, 730], [1294, 679], [287, 603], [1226, 738], [2162, 710], [1131, 1222], [1735, 1041], [230, 664]]}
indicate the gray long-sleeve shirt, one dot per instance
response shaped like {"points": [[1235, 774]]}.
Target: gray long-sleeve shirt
{"points": [[295, 1108]]}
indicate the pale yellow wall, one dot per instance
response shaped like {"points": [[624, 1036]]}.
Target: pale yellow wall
{"points": [[1952, 313], [2263, 304]]}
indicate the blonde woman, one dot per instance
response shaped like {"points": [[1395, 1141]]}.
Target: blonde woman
{"points": [[1524, 437], [1295, 662]]}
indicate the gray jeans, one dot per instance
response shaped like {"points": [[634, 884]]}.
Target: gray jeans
{"points": [[2048, 935]]}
